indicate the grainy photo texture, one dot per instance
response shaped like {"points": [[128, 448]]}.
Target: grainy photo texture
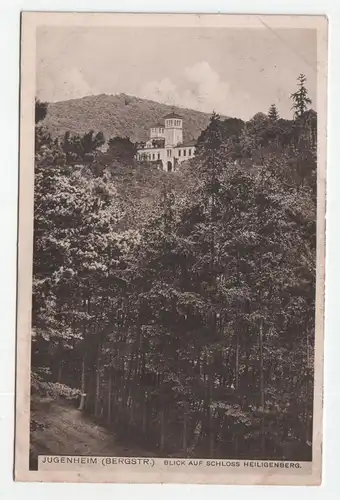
{"points": [[170, 311]]}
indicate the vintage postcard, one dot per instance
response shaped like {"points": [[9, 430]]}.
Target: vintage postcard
{"points": [[171, 248]]}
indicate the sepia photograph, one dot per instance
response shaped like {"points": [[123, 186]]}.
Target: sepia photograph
{"points": [[171, 248]]}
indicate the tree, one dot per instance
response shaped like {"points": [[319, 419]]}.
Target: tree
{"points": [[231, 130], [254, 137], [300, 98], [273, 114], [91, 141], [75, 249], [82, 148], [40, 110], [121, 149]]}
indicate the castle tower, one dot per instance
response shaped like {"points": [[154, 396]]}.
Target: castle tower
{"points": [[157, 131], [173, 130]]}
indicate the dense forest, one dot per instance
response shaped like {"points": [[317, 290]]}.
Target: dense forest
{"points": [[177, 309], [117, 115]]}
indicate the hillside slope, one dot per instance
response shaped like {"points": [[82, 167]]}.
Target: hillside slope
{"points": [[122, 115], [67, 431]]}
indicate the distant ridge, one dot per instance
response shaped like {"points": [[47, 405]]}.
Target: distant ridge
{"points": [[120, 114]]}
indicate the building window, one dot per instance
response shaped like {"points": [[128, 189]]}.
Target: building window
{"points": [[189, 152], [179, 152], [153, 156], [184, 152], [159, 156]]}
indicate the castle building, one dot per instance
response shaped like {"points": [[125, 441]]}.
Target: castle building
{"points": [[165, 146]]}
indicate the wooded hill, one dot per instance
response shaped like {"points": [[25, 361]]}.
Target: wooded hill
{"points": [[117, 115]]}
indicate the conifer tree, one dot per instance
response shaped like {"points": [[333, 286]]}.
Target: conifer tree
{"points": [[273, 114], [300, 98]]}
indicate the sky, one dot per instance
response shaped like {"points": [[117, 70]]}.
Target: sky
{"points": [[233, 71]]}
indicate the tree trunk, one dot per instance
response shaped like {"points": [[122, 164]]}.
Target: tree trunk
{"points": [[262, 391], [144, 413], [60, 371], [59, 374], [97, 396], [109, 397], [185, 429], [162, 414], [82, 387], [132, 408], [237, 361], [210, 419], [261, 368], [127, 384], [162, 429]]}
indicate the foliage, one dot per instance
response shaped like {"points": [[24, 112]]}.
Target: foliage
{"points": [[40, 110], [82, 148], [122, 149], [183, 305], [117, 115]]}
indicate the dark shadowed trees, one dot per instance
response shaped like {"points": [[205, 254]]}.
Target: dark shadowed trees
{"points": [[40, 110]]}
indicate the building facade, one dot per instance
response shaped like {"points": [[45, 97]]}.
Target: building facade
{"points": [[165, 147]]}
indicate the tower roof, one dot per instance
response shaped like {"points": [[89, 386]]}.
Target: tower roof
{"points": [[173, 115], [157, 125]]}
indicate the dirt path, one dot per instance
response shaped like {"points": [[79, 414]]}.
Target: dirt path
{"points": [[67, 432]]}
